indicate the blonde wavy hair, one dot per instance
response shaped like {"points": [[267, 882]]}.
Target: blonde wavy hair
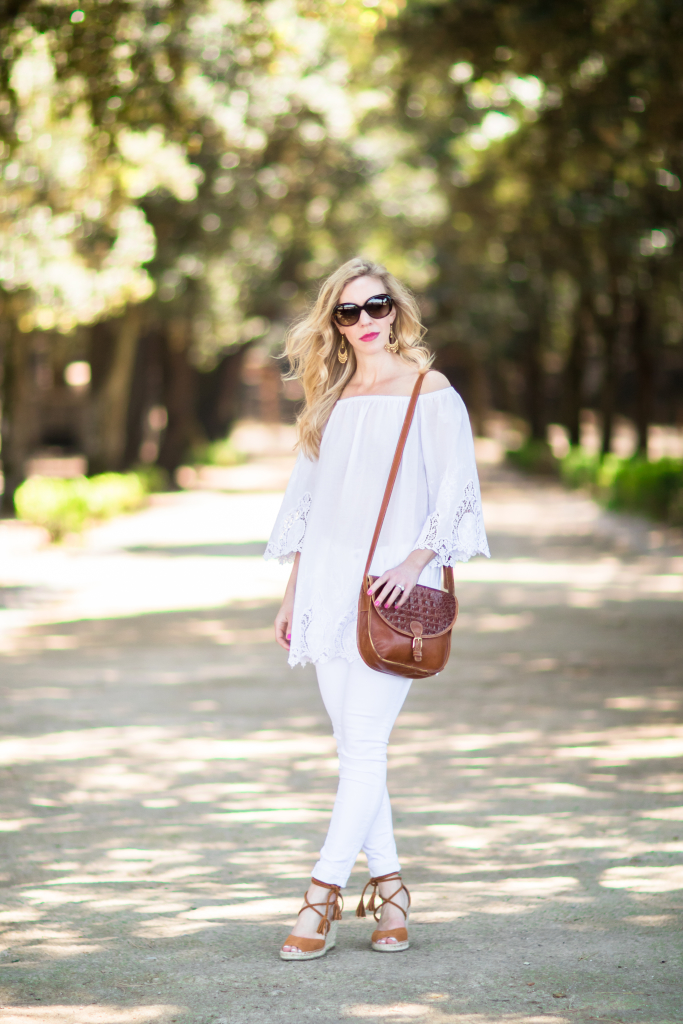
{"points": [[313, 342]]}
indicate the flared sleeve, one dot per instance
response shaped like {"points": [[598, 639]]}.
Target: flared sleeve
{"points": [[454, 528], [290, 526]]}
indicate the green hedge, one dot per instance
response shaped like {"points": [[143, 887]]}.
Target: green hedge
{"points": [[631, 485], [579, 468], [66, 506], [654, 488]]}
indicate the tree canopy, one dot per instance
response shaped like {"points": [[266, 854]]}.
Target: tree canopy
{"points": [[189, 169]]}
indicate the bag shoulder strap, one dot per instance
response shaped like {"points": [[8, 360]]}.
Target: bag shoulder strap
{"points": [[449, 581], [393, 472]]}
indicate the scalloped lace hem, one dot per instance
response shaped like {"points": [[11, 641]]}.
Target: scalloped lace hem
{"points": [[311, 645]]}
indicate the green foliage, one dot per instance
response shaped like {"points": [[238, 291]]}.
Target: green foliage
{"points": [[212, 160], [649, 487], [208, 150], [154, 479], [534, 457], [676, 508], [66, 506], [60, 506], [610, 467], [630, 485], [580, 468], [108, 494], [218, 453], [556, 145]]}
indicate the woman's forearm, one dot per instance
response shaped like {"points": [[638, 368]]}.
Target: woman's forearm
{"points": [[283, 619], [421, 557]]}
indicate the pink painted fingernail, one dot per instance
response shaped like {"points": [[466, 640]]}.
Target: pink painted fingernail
{"points": [[376, 604], [289, 636]]}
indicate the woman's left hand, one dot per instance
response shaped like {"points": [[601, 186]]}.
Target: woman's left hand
{"points": [[394, 585]]}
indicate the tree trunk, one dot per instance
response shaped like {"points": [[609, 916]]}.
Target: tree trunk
{"points": [[218, 394], [146, 392], [645, 376], [180, 387], [18, 419], [609, 386], [109, 413], [270, 386], [575, 371], [533, 372], [478, 393]]}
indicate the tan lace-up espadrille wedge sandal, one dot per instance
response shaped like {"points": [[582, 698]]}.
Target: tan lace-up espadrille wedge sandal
{"points": [[311, 949], [375, 904]]}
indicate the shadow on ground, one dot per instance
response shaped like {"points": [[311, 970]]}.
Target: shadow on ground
{"points": [[168, 791], [167, 782]]}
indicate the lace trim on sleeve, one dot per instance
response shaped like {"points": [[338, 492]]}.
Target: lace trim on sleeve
{"points": [[457, 539], [292, 534]]}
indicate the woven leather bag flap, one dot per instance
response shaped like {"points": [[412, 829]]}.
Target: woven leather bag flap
{"points": [[434, 609]]}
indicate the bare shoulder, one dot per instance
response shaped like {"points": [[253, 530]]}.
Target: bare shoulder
{"points": [[434, 381]]}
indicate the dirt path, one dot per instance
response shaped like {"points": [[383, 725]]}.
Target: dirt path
{"points": [[166, 781]]}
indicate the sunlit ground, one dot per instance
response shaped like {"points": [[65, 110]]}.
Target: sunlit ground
{"points": [[167, 779]]}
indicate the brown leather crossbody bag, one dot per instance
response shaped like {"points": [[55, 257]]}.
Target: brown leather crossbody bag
{"points": [[414, 640]]}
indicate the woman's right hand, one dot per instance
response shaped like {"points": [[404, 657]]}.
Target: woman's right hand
{"points": [[283, 622]]}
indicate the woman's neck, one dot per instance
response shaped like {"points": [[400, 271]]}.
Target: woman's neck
{"points": [[372, 371]]}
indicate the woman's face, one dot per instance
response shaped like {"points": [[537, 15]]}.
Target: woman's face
{"points": [[368, 335]]}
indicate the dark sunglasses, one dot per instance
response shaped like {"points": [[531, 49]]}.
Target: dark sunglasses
{"points": [[346, 314]]}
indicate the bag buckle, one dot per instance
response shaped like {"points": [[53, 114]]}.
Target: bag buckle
{"points": [[416, 630]]}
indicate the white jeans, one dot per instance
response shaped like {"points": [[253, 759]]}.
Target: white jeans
{"points": [[363, 706]]}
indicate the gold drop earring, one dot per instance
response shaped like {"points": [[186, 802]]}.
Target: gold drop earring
{"points": [[342, 354], [392, 344]]}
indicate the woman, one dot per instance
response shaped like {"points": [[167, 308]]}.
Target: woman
{"points": [[358, 352]]}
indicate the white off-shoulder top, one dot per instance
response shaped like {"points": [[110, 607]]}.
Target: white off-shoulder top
{"points": [[331, 505]]}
